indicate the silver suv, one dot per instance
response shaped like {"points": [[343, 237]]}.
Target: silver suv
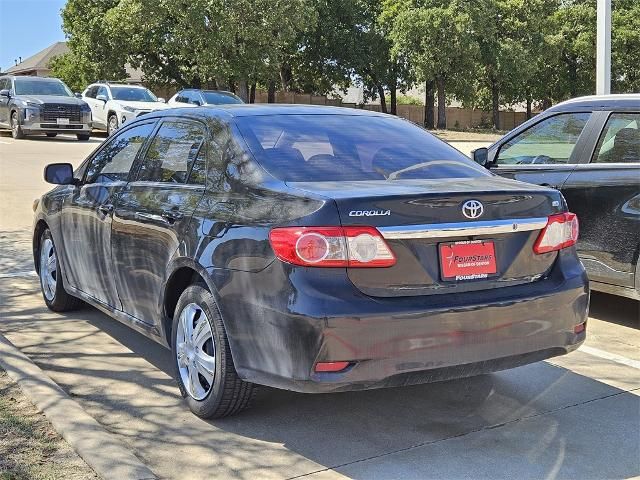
{"points": [[31, 105], [114, 105]]}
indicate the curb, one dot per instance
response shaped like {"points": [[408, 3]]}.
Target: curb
{"points": [[108, 457]]}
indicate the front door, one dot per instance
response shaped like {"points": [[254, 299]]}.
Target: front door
{"points": [[5, 84], [87, 214], [605, 194], [546, 153], [153, 213]]}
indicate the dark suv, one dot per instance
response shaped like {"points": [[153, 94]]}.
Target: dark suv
{"points": [[31, 105], [589, 149]]}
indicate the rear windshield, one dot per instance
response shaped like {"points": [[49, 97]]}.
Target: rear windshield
{"points": [[26, 86], [220, 98], [133, 94], [307, 148]]}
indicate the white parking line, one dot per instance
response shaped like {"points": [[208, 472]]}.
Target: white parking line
{"points": [[596, 352], [5, 143], [27, 273]]}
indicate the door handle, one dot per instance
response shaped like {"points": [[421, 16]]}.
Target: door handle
{"points": [[173, 215], [105, 208]]}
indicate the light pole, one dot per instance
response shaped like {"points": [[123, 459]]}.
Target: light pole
{"points": [[603, 48]]}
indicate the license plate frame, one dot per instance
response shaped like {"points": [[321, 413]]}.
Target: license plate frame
{"points": [[62, 121], [467, 260]]}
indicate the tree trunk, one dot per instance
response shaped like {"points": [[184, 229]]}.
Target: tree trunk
{"points": [[429, 104], [252, 93], [285, 77], [383, 101], [442, 112], [495, 103], [394, 100], [243, 90], [271, 92]]}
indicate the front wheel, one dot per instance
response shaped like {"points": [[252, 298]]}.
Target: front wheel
{"points": [[112, 124], [51, 282], [202, 358], [16, 129]]}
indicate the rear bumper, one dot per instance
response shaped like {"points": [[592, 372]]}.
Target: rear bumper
{"points": [[303, 316]]}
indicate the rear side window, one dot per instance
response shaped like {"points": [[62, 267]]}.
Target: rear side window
{"points": [[306, 148], [620, 141], [172, 153], [550, 141], [113, 162]]}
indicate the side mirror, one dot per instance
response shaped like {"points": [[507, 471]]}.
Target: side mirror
{"points": [[4, 93], [162, 100], [481, 156], [197, 102], [102, 97], [78, 95], [59, 174]]}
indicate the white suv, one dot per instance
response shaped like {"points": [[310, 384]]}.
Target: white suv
{"points": [[113, 105]]}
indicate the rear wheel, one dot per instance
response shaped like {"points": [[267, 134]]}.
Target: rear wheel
{"points": [[51, 134], [51, 282], [202, 358], [83, 136], [16, 129]]}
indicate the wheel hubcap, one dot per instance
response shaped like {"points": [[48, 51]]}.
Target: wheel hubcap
{"points": [[195, 351], [14, 123], [113, 125], [48, 269]]}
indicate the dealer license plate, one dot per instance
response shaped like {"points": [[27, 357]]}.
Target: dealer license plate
{"points": [[469, 260]]}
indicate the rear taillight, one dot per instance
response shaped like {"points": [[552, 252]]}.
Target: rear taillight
{"points": [[331, 246], [561, 232]]}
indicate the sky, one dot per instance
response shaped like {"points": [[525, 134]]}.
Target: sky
{"points": [[28, 26]]}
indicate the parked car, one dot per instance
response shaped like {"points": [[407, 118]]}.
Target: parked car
{"points": [[114, 105], [589, 149], [315, 249], [30, 105], [194, 97]]}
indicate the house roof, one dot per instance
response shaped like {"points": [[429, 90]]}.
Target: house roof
{"points": [[40, 61]]}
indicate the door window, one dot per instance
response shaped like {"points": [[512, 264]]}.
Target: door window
{"points": [[92, 92], [113, 162], [550, 141], [172, 152], [620, 141], [102, 91]]}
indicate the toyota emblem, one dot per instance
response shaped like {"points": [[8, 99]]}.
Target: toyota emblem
{"points": [[472, 209]]}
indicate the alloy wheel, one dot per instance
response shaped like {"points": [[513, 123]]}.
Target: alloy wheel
{"points": [[113, 124], [195, 351], [48, 269], [14, 124]]}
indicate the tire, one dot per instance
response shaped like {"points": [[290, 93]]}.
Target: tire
{"points": [[51, 282], [16, 129], [112, 124], [83, 137], [51, 134], [218, 391]]}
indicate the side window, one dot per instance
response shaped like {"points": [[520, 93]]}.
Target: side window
{"points": [[102, 91], [92, 91], [194, 98], [4, 84], [620, 140], [550, 141], [113, 162], [172, 152]]}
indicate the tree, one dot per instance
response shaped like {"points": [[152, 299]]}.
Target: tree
{"points": [[625, 46], [434, 38]]}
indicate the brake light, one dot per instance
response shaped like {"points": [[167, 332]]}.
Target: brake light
{"points": [[561, 232], [331, 246]]}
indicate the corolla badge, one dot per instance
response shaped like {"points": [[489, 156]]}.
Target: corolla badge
{"points": [[369, 213], [472, 209]]}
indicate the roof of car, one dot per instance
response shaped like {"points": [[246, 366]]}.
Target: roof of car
{"points": [[260, 109], [31, 78], [600, 102]]}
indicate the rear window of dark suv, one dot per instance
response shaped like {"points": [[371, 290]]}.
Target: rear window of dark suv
{"points": [[307, 148]]}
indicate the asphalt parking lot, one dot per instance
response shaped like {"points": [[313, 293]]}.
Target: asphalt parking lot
{"points": [[574, 417]]}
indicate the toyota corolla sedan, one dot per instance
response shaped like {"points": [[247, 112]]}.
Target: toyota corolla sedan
{"points": [[313, 249]]}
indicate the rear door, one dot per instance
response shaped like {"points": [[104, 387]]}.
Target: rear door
{"points": [[605, 194], [547, 152], [87, 214], [153, 214]]}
